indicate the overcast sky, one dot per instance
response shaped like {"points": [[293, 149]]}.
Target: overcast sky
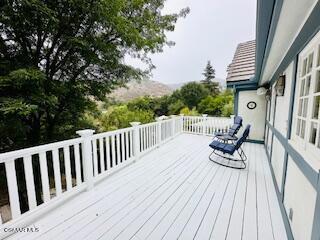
{"points": [[211, 31]]}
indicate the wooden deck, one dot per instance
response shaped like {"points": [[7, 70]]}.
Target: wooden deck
{"points": [[173, 192]]}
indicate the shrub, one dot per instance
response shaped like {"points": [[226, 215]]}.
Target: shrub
{"points": [[187, 112]]}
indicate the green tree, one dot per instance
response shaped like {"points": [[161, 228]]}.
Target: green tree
{"points": [[210, 74], [57, 56], [120, 117], [174, 108], [192, 93], [220, 105], [145, 103]]}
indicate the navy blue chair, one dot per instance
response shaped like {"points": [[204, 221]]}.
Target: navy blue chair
{"points": [[237, 124], [222, 149]]}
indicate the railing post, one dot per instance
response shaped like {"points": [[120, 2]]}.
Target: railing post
{"points": [[204, 122], [173, 129], [181, 122], [158, 131], [231, 121], [136, 140], [87, 156]]}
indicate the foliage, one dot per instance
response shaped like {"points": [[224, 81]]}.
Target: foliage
{"points": [[192, 93], [174, 108], [228, 109], [145, 103], [221, 105], [187, 112], [209, 74], [121, 116], [56, 57]]}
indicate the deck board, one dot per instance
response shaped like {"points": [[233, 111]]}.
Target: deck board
{"points": [[173, 192]]}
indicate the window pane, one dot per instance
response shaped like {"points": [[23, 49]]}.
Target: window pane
{"points": [[313, 133], [298, 127], [305, 107], [317, 88], [315, 110], [303, 128], [307, 88], [310, 62], [302, 88], [300, 107], [304, 68]]}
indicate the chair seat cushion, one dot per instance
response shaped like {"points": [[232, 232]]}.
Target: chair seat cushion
{"points": [[223, 147], [218, 133]]}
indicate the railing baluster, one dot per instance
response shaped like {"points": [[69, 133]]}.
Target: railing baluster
{"points": [[95, 157], [154, 135], [77, 163], [148, 137], [113, 155], [31, 192], [57, 173], [127, 145], [131, 143], [118, 149], [13, 189], [101, 150], [122, 148], [144, 139], [108, 159], [44, 176], [67, 166]]}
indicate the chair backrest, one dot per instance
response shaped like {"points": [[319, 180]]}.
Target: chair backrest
{"points": [[244, 136], [236, 126], [237, 120]]}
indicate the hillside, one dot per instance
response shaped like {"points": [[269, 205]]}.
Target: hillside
{"points": [[137, 89], [175, 86]]}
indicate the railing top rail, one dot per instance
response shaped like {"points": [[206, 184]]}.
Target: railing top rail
{"points": [[147, 124], [208, 117], [12, 155], [109, 133]]}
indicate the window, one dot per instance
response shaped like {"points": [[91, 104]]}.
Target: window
{"points": [[307, 102]]}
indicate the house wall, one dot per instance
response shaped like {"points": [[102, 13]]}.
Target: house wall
{"points": [[280, 117], [296, 176], [277, 161], [255, 117], [283, 103], [296, 186], [300, 198]]}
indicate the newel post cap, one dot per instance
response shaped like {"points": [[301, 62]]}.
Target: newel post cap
{"points": [[85, 132], [134, 124], [163, 117]]}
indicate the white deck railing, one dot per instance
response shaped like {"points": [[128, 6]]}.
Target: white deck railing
{"points": [[68, 167]]}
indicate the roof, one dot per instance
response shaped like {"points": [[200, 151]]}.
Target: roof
{"points": [[242, 66]]}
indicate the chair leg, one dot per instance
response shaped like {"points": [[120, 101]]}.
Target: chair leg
{"points": [[232, 159]]}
